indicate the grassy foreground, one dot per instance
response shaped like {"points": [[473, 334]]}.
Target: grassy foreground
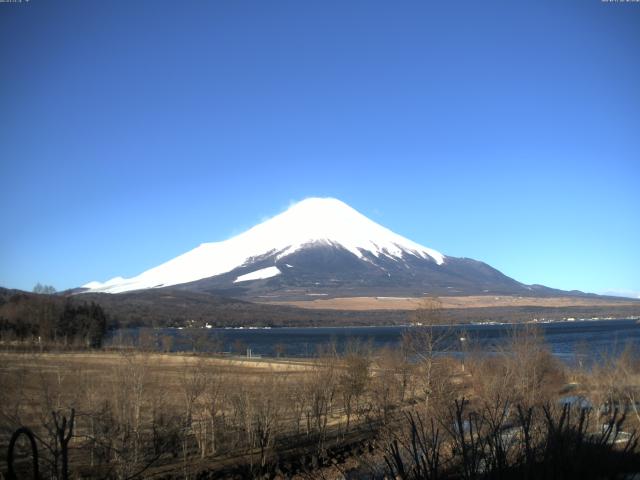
{"points": [[408, 413]]}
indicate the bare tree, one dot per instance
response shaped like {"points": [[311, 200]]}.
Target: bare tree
{"points": [[214, 399], [128, 400], [267, 414], [628, 373], [147, 339], [198, 338], [321, 391], [354, 377], [192, 384], [427, 340], [239, 347], [279, 349], [386, 385], [44, 289], [536, 374], [166, 342]]}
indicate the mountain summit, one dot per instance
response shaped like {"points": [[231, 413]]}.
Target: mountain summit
{"points": [[319, 246]]}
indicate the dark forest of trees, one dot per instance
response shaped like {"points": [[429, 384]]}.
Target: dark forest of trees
{"points": [[50, 319]]}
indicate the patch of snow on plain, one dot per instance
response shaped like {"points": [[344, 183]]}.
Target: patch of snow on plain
{"points": [[258, 274], [311, 221]]}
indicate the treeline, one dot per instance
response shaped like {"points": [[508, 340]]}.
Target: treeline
{"points": [[179, 308], [51, 320]]}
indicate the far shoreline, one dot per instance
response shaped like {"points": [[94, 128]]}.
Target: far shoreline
{"points": [[396, 325]]}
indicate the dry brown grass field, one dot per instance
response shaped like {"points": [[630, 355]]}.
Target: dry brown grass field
{"points": [[142, 414], [198, 413], [476, 301]]}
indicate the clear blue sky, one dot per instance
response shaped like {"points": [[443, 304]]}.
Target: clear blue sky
{"points": [[132, 131]]}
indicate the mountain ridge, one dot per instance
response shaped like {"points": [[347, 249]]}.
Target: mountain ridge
{"points": [[311, 222], [322, 247]]}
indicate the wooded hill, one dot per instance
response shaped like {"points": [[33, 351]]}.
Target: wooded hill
{"points": [[28, 313]]}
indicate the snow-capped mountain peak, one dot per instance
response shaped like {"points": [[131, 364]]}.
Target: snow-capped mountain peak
{"points": [[332, 221], [314, 221]]}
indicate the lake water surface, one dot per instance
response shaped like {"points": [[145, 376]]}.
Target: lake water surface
{"points": [[590, 338]]}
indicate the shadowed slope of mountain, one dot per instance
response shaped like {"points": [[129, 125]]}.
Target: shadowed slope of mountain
{"points": [[322, 247], [327, 270], [309, 225]]}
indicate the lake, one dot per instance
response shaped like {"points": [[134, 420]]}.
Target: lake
{"points": [[588, 338]]}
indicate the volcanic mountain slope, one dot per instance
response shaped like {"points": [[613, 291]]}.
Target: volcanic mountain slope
{"points": [[321, 247]]}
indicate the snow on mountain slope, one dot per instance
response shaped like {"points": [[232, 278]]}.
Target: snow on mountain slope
{"points": [[259, 274], [311, 221]]}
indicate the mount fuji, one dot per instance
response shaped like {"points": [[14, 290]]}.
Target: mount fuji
{"points": [[321, 247]]}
